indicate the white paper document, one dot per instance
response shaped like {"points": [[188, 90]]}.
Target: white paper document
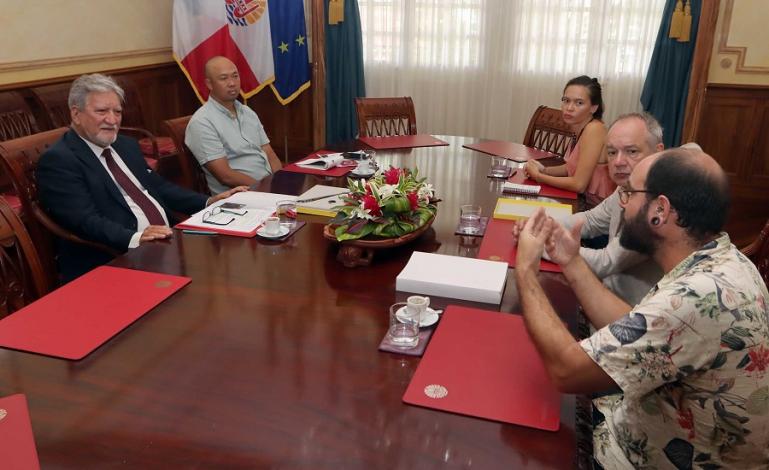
{"points": [[455, 277], [322, 162], [242, 221]]}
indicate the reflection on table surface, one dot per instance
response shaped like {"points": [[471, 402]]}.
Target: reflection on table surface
{"points": [[269, 357]]}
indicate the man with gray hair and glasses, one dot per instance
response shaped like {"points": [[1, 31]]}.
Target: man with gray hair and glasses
{"points": [[96, 184], [629, 274]]}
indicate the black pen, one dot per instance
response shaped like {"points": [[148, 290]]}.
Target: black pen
{"points": [[199, 232]]}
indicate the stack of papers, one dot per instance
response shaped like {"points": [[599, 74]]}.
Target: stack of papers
{"points": [[241, 222], [322, 162], [455, 277], [320, 200]]}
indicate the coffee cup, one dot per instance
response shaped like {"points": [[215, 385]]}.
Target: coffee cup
{"points": [[364, 166], [272, 225], [416, 306]]}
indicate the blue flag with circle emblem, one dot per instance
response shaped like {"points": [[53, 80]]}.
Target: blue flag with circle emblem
{"points": [[289, 49]]}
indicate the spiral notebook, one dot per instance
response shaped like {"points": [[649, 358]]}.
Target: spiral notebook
{"points": [[519, 188]]}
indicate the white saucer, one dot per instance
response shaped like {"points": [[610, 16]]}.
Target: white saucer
{"points": [[428, 319], [281, 233], [361, 173]]}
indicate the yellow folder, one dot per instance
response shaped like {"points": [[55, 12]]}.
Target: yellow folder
{"points": [[512, 209]]}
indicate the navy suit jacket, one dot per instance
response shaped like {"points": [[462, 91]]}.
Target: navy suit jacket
{"points": [[78, 193]]}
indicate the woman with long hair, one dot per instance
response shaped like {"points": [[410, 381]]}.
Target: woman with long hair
{"points": [[584, 170]]}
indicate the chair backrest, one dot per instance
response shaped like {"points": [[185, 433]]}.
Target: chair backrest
{"points": [[378, 117], [53, 100], [548, 131], [22, 276], [758, 252], [19, 159], [192, 174], [16, 117]]}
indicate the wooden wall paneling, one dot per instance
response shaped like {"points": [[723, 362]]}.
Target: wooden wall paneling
{"points": [[722, 131], [734, 129], [758, 168], [706, 31]]}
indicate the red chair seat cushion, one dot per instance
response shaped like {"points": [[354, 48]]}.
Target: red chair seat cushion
{"points": [[165, 146], [13, 201]]}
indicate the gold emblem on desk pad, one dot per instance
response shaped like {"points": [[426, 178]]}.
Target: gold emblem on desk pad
{"points": [[436, 391], [163, 284], [495, 258], [3, 414]]}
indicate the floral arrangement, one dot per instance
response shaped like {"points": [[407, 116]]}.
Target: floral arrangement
{"points": [[392, 203]]}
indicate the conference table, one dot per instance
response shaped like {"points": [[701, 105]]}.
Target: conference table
{"points": [[268, 358]]}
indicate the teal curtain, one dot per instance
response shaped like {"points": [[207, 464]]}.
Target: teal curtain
{"points": [[344, 74], [667, 82]]}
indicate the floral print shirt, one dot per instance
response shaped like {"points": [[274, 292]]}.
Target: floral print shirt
{"points": [[691, 359]]}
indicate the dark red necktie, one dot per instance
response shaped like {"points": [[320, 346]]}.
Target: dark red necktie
{"points": [[150, 210]]}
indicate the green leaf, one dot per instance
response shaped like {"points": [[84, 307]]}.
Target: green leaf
{"points": [[733, 342], [679, 452], [741, 331], [397, 205], [719, 360], [745, 361], [758, 402]]}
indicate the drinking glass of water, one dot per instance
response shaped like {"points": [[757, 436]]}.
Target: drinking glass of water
{"points": [[470, 218], [500, 167]]}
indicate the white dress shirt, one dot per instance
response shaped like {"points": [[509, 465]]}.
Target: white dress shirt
{"points": [[141, 219]]}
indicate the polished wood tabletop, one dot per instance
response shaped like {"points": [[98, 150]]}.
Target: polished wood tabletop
{"points": [[268, 358]]}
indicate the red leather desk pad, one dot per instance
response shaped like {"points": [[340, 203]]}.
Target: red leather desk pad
{"points": [[402, 141], [509, 150], [77, 318], [497, 245], [338, 170], [483, 364], [17, 445]]}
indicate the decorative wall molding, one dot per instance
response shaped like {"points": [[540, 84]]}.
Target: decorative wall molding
{"points": [[741, 51], [84, 59]]}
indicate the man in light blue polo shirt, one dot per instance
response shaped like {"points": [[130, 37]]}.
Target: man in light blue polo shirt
{"points": [[225, 136]]}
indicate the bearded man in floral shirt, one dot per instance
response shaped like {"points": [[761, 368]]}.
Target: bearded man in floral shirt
{"points": [[683, 374]]}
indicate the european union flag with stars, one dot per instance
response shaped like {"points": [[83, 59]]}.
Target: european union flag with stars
{"points": [[289, 49]]}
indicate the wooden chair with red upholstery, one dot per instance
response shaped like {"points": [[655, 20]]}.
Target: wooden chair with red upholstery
{"points": [[22, 276], [53, 99], [758, 252], [192, 176], [380, 117], [16, 120], [19, 159], [16, 117], [548, 131]]}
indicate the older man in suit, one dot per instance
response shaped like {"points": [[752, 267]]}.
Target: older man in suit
{"points": [[95, 183]]}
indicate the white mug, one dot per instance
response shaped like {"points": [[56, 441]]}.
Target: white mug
{"points": [[416, 305], [272, 225], [364, 166]]}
